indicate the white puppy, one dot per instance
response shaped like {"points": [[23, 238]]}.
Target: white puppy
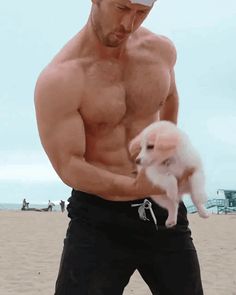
{"points": [[166, 153]]}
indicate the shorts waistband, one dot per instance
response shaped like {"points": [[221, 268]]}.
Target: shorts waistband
{"points": [[84, 203], [95, 200]]}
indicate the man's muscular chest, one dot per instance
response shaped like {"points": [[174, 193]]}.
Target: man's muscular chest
{"points": [[113, 91]]}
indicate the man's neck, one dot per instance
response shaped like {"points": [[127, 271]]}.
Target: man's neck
{"points": [[91, 45]]}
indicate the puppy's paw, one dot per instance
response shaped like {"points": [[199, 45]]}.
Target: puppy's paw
{"points": [[170, 223], [204, 213]]}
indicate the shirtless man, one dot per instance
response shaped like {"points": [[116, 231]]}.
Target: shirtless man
{"points": [[108, 83]]}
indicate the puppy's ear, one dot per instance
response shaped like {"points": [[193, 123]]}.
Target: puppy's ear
{"points": [[167, 141], [135, 146]]}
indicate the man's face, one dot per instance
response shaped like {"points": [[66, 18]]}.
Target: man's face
{"points": [[114, 20]]}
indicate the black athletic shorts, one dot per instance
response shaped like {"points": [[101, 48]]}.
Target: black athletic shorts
{"points": [[107, 241]]}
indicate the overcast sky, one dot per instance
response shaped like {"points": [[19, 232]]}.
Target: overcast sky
{"points": [[32, 32]]}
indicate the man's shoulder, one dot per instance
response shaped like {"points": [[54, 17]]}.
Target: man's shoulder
{"points": [[61, 78], [157, 44], [62, 72], [145, 33]]}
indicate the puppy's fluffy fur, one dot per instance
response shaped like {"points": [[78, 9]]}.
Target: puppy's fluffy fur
{"points": [[166, 152]]}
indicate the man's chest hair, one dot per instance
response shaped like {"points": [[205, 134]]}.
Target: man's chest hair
{"points": [[114, 91]]}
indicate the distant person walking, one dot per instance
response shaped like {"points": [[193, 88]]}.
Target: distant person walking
{"points": [[62, 204], [25, 205], [50, 205]]}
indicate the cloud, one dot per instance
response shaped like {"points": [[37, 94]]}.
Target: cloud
{"points": [[29, 173], [26, 166], [223, 129]]}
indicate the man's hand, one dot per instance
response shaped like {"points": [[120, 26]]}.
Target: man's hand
{"points": [[185, 176], [135, 147], [142, 187], [143, 184]]}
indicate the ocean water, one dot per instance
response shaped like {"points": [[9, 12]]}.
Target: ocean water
{"points": [[17, 207]]}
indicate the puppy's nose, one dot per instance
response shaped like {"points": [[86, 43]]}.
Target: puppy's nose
{"points": [[138, 161]]}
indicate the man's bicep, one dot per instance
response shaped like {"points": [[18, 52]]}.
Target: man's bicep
{"points": [[170, 109], [63, 139], [60, 125]]}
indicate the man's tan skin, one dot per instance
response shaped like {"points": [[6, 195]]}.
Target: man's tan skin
{"points": [[105, 86], [91, 103]]}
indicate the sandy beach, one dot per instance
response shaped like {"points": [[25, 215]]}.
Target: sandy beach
{"points": [[31, 245]]}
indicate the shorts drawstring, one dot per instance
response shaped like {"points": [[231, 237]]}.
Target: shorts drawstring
{"points": [[146, 205]]}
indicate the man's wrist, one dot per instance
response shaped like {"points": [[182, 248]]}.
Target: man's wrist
{"points": [[123, 186]]}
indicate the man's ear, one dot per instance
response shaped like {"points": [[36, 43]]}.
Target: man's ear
{"points": [[135, 146], [167, 141]]}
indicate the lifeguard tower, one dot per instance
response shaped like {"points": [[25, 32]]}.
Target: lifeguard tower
{"points": [[225, 202], [230, 200]]}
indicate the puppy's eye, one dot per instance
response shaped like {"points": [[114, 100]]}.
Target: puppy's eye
{"points": [[150, 146]]}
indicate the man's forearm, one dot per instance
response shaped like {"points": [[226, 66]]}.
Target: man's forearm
{"points": [[83, 176]]}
